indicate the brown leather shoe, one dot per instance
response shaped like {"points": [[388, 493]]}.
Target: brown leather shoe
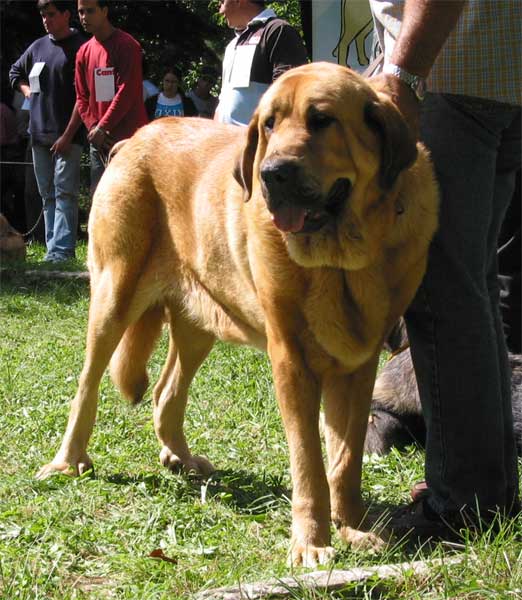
{"points": [[419, 490]]}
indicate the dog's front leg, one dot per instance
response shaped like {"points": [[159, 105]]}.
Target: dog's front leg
{"points": [[346, 406], [298, 395]]}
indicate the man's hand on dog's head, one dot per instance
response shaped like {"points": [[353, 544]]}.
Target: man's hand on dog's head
{"points": [[402, 96]]}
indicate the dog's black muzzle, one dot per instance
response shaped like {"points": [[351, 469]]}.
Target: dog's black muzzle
{"points": [[280, 177], [294, 198]]}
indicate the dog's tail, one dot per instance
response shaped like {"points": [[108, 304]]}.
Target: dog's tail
{"points": [[128, 366]]}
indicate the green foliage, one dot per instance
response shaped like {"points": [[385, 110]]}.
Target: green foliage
{"points": [[290, 10]]}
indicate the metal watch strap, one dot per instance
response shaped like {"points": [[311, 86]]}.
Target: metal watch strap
{"points": [[416, 83], [105, 132]]}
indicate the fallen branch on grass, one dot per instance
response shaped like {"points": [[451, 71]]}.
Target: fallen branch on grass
{"points": [[326, 580], [34, 274]]}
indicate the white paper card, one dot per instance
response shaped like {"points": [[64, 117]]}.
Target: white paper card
{"points": [[34, 77], [104, 83], [243, 58]]}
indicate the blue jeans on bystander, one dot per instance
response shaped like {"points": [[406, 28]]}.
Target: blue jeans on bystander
{"points": [[454, 323], [58, 179]]}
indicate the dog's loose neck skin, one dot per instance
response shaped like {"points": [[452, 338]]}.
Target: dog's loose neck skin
{"points": [[360, 321]]}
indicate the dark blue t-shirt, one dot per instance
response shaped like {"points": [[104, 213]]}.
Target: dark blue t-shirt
{"points": [[51, 108]]}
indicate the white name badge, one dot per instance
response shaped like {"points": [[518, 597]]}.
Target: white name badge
{"points": [[104, 84], [34, 77], [243, 57]]}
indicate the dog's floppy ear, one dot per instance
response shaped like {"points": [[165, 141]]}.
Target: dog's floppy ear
{"points": [[398, 145], [244, 169]]}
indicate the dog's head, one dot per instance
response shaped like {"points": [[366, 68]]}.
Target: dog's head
{"points": [[325, 150]]}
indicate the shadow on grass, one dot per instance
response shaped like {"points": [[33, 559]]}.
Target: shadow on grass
{"points": [[20, 268], [17, 285], [245, 492]]}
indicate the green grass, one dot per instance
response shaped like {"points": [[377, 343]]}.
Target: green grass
{"points": [[92, 537], [34, 260]]}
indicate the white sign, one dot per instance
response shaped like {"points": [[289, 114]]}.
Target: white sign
{"points": [[34, 77], [104, 84], [243, 57]]}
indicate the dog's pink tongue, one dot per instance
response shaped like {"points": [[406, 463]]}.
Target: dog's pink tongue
{"points": [[289, 218]]}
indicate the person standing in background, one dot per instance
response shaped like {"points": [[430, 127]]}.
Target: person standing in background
{"points": [[171, 102], [201, 96], [44, 74], [109, 84], [263, 49]]}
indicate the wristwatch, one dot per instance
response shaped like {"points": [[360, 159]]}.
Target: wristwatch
{"points": [[416, 83], [105, 133]]}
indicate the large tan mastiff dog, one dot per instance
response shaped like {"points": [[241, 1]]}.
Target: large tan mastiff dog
{"points": [[305, 234]]}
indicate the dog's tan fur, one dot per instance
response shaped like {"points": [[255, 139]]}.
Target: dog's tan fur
{"points": [[171, 233], [12, 245]]}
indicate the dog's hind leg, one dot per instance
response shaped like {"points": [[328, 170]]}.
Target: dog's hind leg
{"points": [[111, 311], [188, 348], [128, 366]]}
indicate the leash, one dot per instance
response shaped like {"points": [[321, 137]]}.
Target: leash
{"points": [[34, 226], [25, 164], [374, 65]]}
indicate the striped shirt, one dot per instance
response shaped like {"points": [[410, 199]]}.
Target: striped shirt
{"points": [[482, 56]]}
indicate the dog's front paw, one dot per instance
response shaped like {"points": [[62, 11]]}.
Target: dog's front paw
{"points": [[72, 468], [191, 464], [373, 541], [308, 555]]}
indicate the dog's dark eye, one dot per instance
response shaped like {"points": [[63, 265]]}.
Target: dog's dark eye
{"points": [[269, 123], [319, 120]]}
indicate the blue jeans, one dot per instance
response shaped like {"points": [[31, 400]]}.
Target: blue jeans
{"points": [[58, 179], [454, 323]]}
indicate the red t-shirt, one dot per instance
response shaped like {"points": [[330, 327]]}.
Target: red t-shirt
{"points": [[125, 113]]}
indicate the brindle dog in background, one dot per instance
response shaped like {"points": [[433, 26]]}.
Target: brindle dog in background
{"points": [[396, 419]]}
